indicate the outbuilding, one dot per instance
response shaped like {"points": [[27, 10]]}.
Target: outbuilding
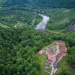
{"points": [[41, 52], [55, 65]]}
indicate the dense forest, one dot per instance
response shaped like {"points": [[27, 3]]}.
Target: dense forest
{"points": [[19, 18], [18, 54], [20, 42], [43, 3]]}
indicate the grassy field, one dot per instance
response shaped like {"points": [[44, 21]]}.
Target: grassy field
{"points": [[42, 63]]}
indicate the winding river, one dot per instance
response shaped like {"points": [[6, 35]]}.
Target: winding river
{"points": [[42, 25]]}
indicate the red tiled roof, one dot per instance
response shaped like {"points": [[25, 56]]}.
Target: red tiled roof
{"points": [[49, 61], [51, 50], [64, 49], [60, 43], [50, 56], [41, 52], [64, 54], [59, 55]]}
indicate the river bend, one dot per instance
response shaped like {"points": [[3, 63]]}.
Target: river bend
{"points": [[42, 25]]}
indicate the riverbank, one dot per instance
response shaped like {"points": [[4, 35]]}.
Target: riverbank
{"points": [[71, 28], [42, 25], [60, 19]]}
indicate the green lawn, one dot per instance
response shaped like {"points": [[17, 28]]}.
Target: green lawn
{"points": [[42, 63]]}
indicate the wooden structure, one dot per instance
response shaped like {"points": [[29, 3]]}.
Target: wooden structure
{"points": [[50, 55], [41, 52], [64, 49], [60, 43]]}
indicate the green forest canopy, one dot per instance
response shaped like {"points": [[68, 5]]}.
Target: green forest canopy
{"points": [[18, 54], [18, 47], [43, 3]]}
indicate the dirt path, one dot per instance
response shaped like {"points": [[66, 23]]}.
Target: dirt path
{"points": [[54, 60]]}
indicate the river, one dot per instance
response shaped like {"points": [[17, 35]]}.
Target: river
{"points": [[71, 28], [42, 25]]}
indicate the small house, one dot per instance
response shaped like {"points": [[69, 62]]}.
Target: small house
{"points": [[50, 55], [55, 65], [41, 52], [59, 56], [60, 43]]}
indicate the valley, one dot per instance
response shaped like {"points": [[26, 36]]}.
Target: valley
{"points": [[26, 27]]}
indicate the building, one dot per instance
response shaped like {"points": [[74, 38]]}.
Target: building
{"points": [[64, 54], [46, 64], [60, 43], [59, 56], [50, 55], [64, 49], [49, 61], [55, 65], [41, 52], [51, 51]]}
